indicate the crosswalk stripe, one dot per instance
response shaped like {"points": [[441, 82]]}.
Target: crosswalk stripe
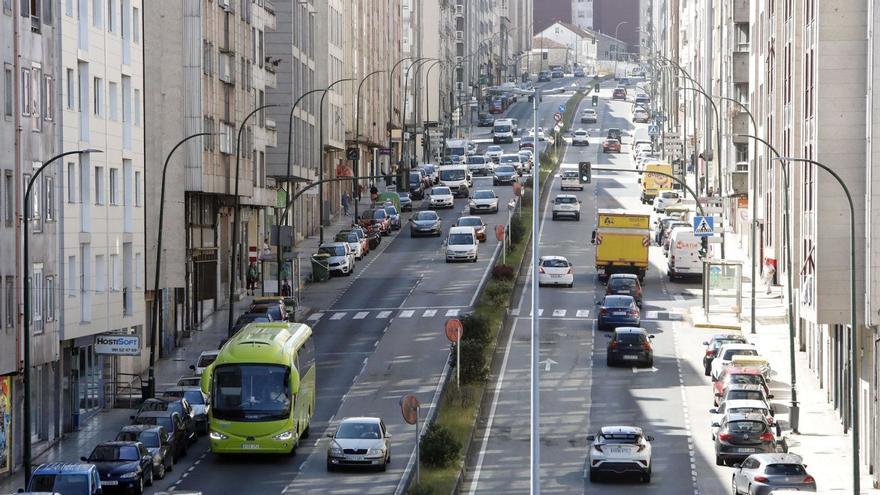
{"points": [[314, 316], [383, 315], [651, 315], [540, 312], [514, 312], [452, 312], [559, 312], [338, 316], [361, 315], [429, 313], [407, 314], [583, 313]]}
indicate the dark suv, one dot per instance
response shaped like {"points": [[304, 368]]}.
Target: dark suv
{"points": [[741, 435], [416, 185], [625, 284], [630, 345], [615, 133]]}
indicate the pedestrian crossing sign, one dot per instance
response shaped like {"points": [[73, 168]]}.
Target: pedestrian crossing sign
{"points": [[704, 226]]}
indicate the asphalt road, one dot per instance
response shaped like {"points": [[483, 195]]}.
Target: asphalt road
{"points": [[579, 393], [382, 337]]}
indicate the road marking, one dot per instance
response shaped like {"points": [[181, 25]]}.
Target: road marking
{"points": [[314, 316], [452, 312], [338, 316], [383, 315], [361, 315], [651, 315], [540, 312], [559, 312], [583, 313], [395, 308], [429, 313], [406, 314], [514, 312]]}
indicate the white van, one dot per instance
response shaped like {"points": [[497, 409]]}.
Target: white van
{"points": [[569, 177], [457, 178], [684, 254], [502, 132], [462, 244]]}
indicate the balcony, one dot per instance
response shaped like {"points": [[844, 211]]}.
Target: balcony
{"points": [[741, 125], [740, 67], [740, 11]]}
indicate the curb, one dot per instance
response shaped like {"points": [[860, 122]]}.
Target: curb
{"points": [[722, 326]]}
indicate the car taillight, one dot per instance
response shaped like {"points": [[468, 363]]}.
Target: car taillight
{"points": [[598, 447], [760, 479], [646, 346], [541, 269], [641, 448], [809, 479], [634, 313], [612, 345], [725, 436], [767, 437], [568, 272], [603, 312]]}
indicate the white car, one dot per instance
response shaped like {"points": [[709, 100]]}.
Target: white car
{"points": [[341, 257], [555, 270], [580, 137], [462, 244], [441, 197], [483, 200], [666, 198], [725, 354], [205, 360], [741, 406], [494, 152], [566, 205], [620, 450], [526, 158], [640, 116]]}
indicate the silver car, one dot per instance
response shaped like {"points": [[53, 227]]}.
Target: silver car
{"points": [[765, 474], [359, 442]]}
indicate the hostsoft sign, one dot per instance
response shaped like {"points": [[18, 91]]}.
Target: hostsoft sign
{"points": [[118, 345]]}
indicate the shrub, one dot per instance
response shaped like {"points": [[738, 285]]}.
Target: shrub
{"points": [[439, 448], [499, 291], [477, 328], [502, 272], [517, 229], [474, 365], [420, 490]]}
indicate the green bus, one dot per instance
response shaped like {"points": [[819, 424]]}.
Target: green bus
{"points": [[261, 389]]}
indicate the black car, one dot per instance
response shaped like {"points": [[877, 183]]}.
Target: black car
{"points": [[715, 343], [485, 120], [741, 435], [180, 406], [173, 423], [157, 442], [630, 345], [127, 466], [196, 399], [425, 223], [618, 311], [615, 133], [249, 318], [416, 185], [557, 74], [625, 284], [275, 309]]}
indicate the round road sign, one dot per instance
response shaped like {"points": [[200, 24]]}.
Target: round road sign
{"points": [[517, 189], [557, 116], [499, 232], [454, 329], [409, 407]]}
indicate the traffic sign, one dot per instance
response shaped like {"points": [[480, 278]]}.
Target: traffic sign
{"points": [[704, 226], [557, 116], [352, 153], [562, 108], [653, 130]]}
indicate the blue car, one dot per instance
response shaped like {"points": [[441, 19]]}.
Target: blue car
{"points": [[618, 311], [66, 478], [126, 466]]}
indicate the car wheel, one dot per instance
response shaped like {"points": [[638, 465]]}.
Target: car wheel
{"points": [[139, 489], [330, 467], [554, 216], [171, 461], [161, 474], [475, 259], [733, 485], [719, 461], [646, 477], [577, 218], [609, 362], [384, 466], [150, 479], [594, 476]]}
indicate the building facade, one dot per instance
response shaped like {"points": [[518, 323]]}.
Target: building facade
{"points": [[582, 13], [582, 45]]}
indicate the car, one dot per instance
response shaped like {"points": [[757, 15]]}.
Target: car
{"points": [[359, 442], [496, 106], [589, 116], [341, 258], [373, 237], [431, 172], [179, 405], [666, 198], [557, 74], [526, 156], [630, 345], [746, 392], [725, 356], [406, 202], [274, 307], [376, 219], [485, 120], [666, 226], [494, 152], [360, 245], [614, 133], [124, 465], [566, 205], [157, 442], [425, 223], [642, 99], [766, 474], [742, 406], [670, 230], [462, 245], [393, 215], [640, 116], [65, 478], [205, 359], [713, 344], [618, 311], [555, 270], [620, 450], [479, 165], [611, 146], [174, 424], [741, 435], [441, 197], [476, 222], [619, 93], [416, 185], [527, 142], [504, 174], [579, 72], [189, 381], [544, 76], [197, 400], [483, 200], [541, 135], [625, 284], [240, 323], [733, 375], [580, 137]]}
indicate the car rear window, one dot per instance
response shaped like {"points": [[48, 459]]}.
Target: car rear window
{"points": [[785, 470], [555, 263], [745, 395], [729, 353], [620, 438], [745, 426], [333, 250], [565, 200], [461, 239], [630, 338], [621, 283], [618, 302], [746, 380]]}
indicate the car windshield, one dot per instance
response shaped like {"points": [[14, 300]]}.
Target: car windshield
{"points": [[440, 191], [622, 284], [429, 169], [509, 159], [716, 344], [476, 160], [554, 263], [155, 420], [110, 453], [460, 239], [60, 483], [352, 430], [618, 302], [251, 392], [484, 195], [379, 215], [669, 195], [150, 439], [620, 438], [630, 338], [415, 177], [425, 215], [565, 200], [746, 379], [332, 250], [729, 353], [242, 320], [506, 169], [501, 128], [745, 395], [785, 470], [745, 426], [205, 360], [391, 211], [153, 405], [452, 174]]}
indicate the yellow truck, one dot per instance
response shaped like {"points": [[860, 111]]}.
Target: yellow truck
{"points": [[622, 240], [652, 183]]}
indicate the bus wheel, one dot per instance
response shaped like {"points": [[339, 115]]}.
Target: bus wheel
{"points": [[305, 433]]}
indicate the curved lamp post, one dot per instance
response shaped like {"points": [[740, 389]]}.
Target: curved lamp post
{"points": [[357, 137], [426, 140], [404, 159], [617, 53], [321, 153], [391, 112], [26, 322]]}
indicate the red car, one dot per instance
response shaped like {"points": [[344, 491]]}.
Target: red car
{"points": [[739, 376], [619, 94], [611, 146], [377, 220]]}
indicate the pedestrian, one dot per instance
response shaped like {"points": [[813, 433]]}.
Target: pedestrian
{"points": [[285, 288], [767, 275], [374, 194], [253, 275], [360, 190], [346, 200]]}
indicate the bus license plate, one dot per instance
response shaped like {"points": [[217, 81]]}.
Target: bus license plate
{"points": [[250, 446]]}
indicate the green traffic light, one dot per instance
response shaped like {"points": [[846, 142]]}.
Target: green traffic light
{"points": [[595, 100], [586, 172]]}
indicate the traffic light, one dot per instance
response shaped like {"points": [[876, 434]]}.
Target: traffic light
{"points": [[596, 88], [595, 100], [585, 175]]}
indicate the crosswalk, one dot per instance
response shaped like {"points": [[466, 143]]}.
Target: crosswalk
{"points": [[384, 314], [585, 314]]}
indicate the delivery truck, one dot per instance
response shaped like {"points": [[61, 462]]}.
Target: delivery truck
{"points": [[622, 240], [652, 183]]}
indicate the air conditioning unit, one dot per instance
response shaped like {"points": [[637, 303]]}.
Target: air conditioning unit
{"points": [[739, 183], [458, 85]]}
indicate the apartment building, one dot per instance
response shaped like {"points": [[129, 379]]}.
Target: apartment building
{"points": [[209, 69], [521, 14], [582, 45], [582, 13]]}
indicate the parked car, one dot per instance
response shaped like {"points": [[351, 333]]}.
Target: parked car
{"points": [[189, 381], [373, 238], [476, 222], [741, 435], [406, 203], [240, 323], [618, 311], [630, 345], [341, 257], [65, 478], [555, 270], [425, 223], [173, 423], [611, 146], [640, 116], [625, 284], [767, 474], [666, 198], [746, 392], [157, 442], [359, 442], [620, 450], [274, 308], [725, 356], [394, 215], [715, 343], [416, 185], [376, 219], [197, 400], [123, 465], [179, 405], [742, 406], [431, 172], [206, 358], [733, 375], [485, 120], [483, 201], [358, 244]]}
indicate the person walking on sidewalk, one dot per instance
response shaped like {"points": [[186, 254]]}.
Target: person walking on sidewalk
{"points": [[285, 288], [769, 270], [346, 201], [253, 274], [374, 194]]}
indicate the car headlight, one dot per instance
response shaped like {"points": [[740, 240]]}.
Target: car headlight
{"points": [[130, 474], [472, 251], [335, 451], [216, 435], [472, 203], [284, 436], [376, 452]]}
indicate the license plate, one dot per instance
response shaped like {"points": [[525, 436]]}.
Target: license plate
{"points": [[555, 276], [250, 446], [355, 458], [109, 483], [624, 292], [747, 450], [619, 313], [628, 357]]}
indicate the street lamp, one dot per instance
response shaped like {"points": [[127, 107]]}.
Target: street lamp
{"points": [[391, 116], [854, 329], [357, 137], [426, 139], [617, 52], [154, 324], [410, 143], [321, 154], [26, 325], [403, 142]]}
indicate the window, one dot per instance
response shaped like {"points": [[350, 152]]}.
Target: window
{"points": [[97, 13], [71, 90], [71, 183], [36, 94], [137, 188], [114, 272], [37, 297], [208, 141], [114, 186], [71, 276], [111, 15], [100, 273], [48, 97], [31, 8], [50, 199], [7, 90], [113, 96], [10, 302], [50, 299], [135, 25], [68, 8], [10, 197], [98, 84], [26, 92], [137, 107], [7, 7], [47, 12], [138, 271], [99, 185], [207, 58]]}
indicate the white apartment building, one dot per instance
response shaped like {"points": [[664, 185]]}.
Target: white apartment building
{"points": [[582, 13], [582, 45]]}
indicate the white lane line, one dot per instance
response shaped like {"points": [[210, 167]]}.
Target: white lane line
{"points": [[383, 315], [515, 311], [361, 315], [559, 313], [540, 312], [429, 313], [651, 315], [452, 312], [406, 314], [583, 313], [338, 316], [314, 316]]}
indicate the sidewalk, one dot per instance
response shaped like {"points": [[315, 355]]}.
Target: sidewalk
{"points": [[826, 450]]}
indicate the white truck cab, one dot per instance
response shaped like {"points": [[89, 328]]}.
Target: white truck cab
{"points": [[457, 178]]}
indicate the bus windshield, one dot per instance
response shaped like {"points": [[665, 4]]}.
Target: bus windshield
{"points": [[251, 392]]}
